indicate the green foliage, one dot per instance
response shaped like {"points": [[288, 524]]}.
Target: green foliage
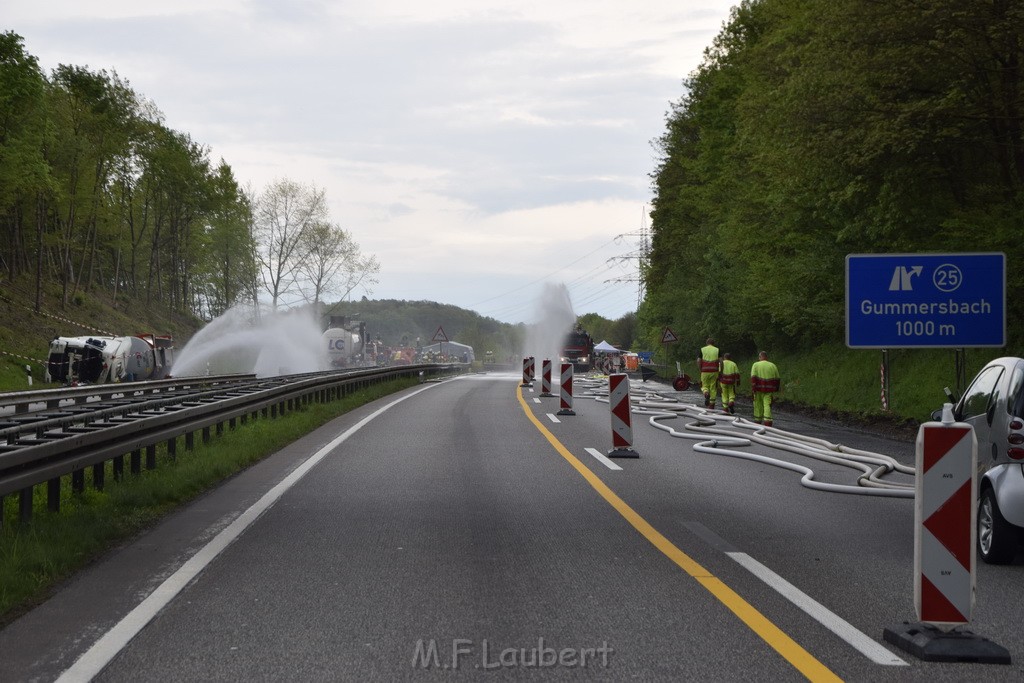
{"points": [[619, 333], [814, 130], [408, 323], [98, 195], [25, 332], [848, 383]]}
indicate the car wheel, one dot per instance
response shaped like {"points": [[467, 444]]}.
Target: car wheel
{"points": [[997, 539]]}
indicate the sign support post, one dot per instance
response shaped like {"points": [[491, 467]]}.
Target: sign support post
{"points": [[925, 301]]}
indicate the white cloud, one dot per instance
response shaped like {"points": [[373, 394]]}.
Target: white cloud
{"points": [[474, 146]]}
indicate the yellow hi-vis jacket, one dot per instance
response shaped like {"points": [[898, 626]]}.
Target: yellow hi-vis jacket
{"points": [[709, 359], [764, 377], [730, 373]]}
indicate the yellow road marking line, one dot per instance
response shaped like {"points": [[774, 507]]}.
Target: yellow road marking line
{"points": [[800, 658]]}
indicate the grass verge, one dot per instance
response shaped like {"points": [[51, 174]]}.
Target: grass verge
{"points": [[847, 383], [34, 559]]}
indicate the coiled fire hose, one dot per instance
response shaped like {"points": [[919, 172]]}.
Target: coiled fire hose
{"points": [[705, 428]]}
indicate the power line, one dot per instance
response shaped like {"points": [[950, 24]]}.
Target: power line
{"points": [[587, 287], [546, 277]]}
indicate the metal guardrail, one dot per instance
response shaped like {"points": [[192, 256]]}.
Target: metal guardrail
{"points": [[22, 401], [42, 447]]}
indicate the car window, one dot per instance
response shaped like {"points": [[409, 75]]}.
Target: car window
{"points": [[979, 394], [1015, 401]]}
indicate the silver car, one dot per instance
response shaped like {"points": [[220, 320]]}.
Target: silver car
{"points": [[994, 405]]}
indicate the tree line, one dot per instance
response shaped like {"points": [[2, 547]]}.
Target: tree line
{"points": [[815, 129], [98, 193]]}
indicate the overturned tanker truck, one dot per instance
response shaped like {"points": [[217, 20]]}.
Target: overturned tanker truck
{"points": [[97, 360]]}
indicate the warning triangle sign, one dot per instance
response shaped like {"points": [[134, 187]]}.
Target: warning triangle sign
{"points": [[440, 336], [669, 336]]}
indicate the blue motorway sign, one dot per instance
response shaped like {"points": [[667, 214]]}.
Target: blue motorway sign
{"points": [[925, 300]]}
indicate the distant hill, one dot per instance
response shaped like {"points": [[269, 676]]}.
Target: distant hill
{"points": [[25, 333], [406, 323]]}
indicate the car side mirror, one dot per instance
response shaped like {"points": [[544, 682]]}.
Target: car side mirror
{"points": [[937, 415]]}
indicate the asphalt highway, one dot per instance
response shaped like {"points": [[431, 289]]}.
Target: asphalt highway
{"points": [[463, 530]]}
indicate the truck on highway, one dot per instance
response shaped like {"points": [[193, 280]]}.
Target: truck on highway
{"points": [[346, 343], [578, 349], [98, 359]]}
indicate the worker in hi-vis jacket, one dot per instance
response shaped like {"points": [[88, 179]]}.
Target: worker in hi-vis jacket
{"points": [[707, 361], [729, 379], [764, 381]]}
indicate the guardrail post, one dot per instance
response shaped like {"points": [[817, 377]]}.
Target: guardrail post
{"points": [[172, 447], [190, 440], [118, 465], [25, 506], [78, 481], [98, 475], [136, 461], [151, 457], [206, 434], [53, 495]]}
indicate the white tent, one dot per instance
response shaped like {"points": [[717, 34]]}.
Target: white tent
{"points": [[605, 347]]}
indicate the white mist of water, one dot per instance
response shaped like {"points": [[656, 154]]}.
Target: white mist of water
{"points": [[555, 318], [242, 342]]}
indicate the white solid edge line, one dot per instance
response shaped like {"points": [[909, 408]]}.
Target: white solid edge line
{"points": [[833, 622], [604, 460], [92, 662]]}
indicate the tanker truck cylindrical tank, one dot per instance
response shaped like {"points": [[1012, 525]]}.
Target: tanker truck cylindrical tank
{"points": [[341, 344], [139, 362]]}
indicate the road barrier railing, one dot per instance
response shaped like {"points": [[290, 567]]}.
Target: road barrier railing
{"points": [[20, 402], [45, 446]]}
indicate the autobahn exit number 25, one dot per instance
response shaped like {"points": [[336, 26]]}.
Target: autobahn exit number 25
{"points": [[925, 300]]}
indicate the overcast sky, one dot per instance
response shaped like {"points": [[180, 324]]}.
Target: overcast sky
{"points": [[480, 149]]}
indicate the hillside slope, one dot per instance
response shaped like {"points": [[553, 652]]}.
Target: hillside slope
{"points": [[25, 333]]}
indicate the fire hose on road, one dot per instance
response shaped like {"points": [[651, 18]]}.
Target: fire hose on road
{"points": [[712, 438]]}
